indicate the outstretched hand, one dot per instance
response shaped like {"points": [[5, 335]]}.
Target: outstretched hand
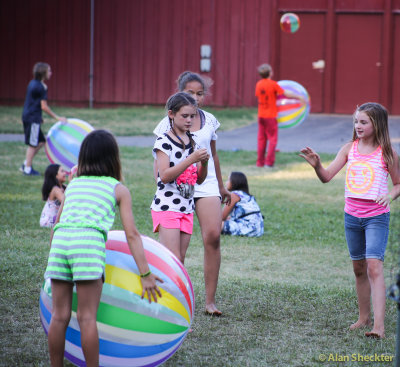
{"points": [[310, 156], [149, 286]]}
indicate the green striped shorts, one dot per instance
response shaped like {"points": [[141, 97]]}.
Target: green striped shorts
{"points": [[76, 254]]}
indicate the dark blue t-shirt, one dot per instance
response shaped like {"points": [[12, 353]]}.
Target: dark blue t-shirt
{"points": [[35, 92]]}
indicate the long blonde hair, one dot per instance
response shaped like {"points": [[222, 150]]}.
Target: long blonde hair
{"points": [[379, 118]]}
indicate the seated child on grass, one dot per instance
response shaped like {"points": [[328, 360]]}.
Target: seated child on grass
{"points": [[242, 217], [53, 193]]}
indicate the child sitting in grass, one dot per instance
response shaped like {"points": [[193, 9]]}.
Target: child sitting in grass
{"points": [[53, 193], [242, 217]]}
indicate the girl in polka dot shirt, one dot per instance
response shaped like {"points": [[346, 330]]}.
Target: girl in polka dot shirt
{"points": [[180, 165]]}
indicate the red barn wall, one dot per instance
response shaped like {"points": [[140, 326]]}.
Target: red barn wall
{"points": [[359, 43], [140, 47], [56, 32], [147, 44]]}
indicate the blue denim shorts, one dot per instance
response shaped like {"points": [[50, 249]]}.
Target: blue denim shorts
{"points": [[367, 237]]}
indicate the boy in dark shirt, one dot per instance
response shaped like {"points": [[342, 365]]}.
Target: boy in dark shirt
{"points": [[35, 103]]}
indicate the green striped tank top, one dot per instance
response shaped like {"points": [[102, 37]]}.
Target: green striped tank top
{"points": [[89, 203]]}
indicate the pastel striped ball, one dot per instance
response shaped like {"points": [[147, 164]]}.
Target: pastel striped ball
{"points": [[63, 142], [132, 331], [292, 112]]}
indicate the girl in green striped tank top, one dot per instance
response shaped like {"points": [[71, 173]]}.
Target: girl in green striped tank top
{"points": [[77, 253]]}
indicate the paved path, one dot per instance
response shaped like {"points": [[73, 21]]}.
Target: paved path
{"points": [[324, 133]]}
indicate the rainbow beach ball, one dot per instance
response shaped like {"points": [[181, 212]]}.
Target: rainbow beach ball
{"points": [[63, 142], [292, 112], [290, 22], [132, 331]]}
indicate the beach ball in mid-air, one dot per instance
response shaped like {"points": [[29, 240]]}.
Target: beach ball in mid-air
{"points": [[132, 331], [63, 142], [292, 112], [290, 22]]}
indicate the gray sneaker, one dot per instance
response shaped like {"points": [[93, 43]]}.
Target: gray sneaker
{"points": [[22, 168]]}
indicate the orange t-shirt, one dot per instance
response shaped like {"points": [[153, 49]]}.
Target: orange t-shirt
{"points": [[266, 91]]}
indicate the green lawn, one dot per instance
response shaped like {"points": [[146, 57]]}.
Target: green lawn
{"points": [[123, 121], [287, 297]]}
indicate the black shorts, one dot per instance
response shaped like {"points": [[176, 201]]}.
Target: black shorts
{"points": [[33, 134], [196, 199]]}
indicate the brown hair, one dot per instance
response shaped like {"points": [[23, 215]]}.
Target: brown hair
{"points": [[99, 155], [189, 76], [265, 70], [174, 104], [40, 70], [379, 118], [239, 182]]}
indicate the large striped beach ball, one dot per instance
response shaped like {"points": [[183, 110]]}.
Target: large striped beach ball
{"points": [[63, 142], [132, 331], [292, 112]]}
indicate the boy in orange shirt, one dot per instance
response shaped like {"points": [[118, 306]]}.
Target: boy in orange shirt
{"points": [[267, 91]]}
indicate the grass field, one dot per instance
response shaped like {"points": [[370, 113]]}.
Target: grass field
{"points": [[122, 121], [288, 298]]}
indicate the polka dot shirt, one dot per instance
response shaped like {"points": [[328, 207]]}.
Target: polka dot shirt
{"points": [[167, 197]]}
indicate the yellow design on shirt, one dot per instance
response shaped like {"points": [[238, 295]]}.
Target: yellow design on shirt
{"points": [[360, 177]]}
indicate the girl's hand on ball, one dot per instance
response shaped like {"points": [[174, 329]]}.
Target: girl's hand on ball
{"points": [[149, 286]]}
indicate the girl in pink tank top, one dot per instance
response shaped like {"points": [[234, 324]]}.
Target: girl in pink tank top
{"points": [[370, 159]]}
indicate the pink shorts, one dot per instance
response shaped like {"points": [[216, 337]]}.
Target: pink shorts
{"points": [[181, 221]]}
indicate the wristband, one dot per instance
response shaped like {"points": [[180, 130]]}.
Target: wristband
{"points": [[390, 197], [145, 274]]}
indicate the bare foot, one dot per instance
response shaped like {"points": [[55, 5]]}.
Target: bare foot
{"points": [[212, 310], [360, 324], [375, 334]]}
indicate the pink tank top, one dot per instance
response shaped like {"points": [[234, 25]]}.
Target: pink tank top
{"points": [[366, 179], [366, 175]]}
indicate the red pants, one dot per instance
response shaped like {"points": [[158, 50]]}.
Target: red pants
{"points": [[267, 131]]}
